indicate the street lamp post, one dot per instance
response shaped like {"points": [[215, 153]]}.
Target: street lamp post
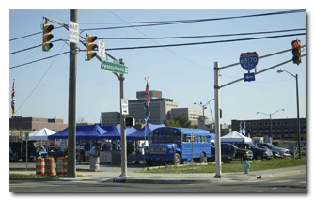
{"points": [[270, 115], [297, 106], [203, 110]]}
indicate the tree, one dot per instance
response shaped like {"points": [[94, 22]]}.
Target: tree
{"points": [[179, 122]]}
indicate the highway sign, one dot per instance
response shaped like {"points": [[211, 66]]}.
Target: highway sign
{"points": [[115, 67], [124, 107], [249, 60], [249, 77], [101, 48], [74, 32]]}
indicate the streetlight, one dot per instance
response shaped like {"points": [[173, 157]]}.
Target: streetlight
{"points": [[297, 106], [203, 110], [270, 115]]}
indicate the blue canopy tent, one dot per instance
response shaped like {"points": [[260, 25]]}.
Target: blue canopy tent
{"points": [[113, 132], [82, 132], [139, 135]]}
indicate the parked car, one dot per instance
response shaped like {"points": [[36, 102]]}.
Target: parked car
{"points": [[228, 152], [278, 152], [259, 153], [243, 153]]}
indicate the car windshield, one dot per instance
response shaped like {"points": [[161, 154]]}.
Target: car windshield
{"points": [[254, 146]]}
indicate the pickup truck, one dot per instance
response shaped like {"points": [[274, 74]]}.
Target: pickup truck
{"points": [[259, 153], [228, 152], [243, 153]]}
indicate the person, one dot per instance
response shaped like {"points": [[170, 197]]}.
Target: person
{"points": [[94, 152]]}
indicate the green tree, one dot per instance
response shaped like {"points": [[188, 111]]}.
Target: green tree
{"points": [[179, 122]]}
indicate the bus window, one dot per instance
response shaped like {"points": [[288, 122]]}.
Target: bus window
{"points": [[184, 137], [188, 139]]}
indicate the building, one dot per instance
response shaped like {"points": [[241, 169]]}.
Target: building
{"points": [[159, 107], [110, 118], [36, 123], [282, 129], [191, 114]]}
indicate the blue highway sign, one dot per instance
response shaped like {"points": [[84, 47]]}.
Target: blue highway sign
{"points": [[249, 77], [249, 60]]}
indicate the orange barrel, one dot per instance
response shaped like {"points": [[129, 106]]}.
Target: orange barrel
{"points": [[59, 166], [50, 166], [40, 166], [65, 166]]}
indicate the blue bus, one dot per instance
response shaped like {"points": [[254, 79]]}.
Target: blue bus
{"points": [[176, 145]]}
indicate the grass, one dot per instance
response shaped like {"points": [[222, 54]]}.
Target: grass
{"points": [[228, 167]]}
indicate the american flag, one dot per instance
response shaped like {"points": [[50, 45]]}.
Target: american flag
{"points": [[147, 101], [13, 99], [249, 131], [241, 130]]}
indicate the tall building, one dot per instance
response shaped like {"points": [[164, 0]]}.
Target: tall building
{"points": [[159, 107], [110, 118]]}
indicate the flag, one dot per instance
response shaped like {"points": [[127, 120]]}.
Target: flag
{"points": [[13, 99], [244, 129], [241, 130], [147, 101], [249, 131]]}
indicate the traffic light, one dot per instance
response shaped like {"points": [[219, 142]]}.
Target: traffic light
{"points": [[47, 36], [129, 122], [296, 51], [90, 46]]}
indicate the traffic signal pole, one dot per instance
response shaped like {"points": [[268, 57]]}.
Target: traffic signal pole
{"points": [[123, 145], [218, 169], [72, 103]]}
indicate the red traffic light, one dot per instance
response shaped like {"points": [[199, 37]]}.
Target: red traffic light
{"points": [[296, 51]]}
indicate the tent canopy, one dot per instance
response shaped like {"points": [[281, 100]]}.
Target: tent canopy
{"points": [[113, 132], [82, 132], [235, 137], [42, 134], [140, 135]]}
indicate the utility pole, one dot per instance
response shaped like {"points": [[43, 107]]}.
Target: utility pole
{"points": [[218, 170], [72, 103], [123, 157]]}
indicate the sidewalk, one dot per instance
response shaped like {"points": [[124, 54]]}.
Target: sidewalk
{"points": [[110, 174]]}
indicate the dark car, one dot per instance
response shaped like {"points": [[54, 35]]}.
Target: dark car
{"points": [[278, 152], [19, 150], [228, 152], [259, 153], [243, 153]]}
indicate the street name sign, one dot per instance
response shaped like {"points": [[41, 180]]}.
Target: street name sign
{"points": [[114, 67], [249, 77], [74, 32], [124, 107], [249, 60]]}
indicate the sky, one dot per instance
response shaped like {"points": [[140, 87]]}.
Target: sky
{"points": [[183, 73]]}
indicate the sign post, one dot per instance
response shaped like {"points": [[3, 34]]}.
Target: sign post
{"points": [[248, 62]]}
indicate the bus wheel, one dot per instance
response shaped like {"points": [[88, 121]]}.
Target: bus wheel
{"points": [[149, 163], [177, 159], [202, 158]]}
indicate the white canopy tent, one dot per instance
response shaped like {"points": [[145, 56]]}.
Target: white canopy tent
{"points": [[42, 134], [235, 137]]}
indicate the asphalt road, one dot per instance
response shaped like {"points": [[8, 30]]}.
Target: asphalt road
{"points": [[291, 184]]}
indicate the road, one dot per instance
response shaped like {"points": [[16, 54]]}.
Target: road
{"points": [[291, 184]]}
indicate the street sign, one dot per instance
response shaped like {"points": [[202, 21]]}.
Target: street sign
{"points": [[249, 60], [124, 107], [115, 67], [101, 48], [249, 77], [74, 32]]}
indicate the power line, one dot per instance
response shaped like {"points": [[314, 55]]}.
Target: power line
{"points": [[170, 45], [201, 43], [179, 21], [210, 36]]}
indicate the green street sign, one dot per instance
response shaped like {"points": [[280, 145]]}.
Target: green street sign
{"points": [[115, 67]]}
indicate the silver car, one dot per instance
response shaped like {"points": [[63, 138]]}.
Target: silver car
{"points": [[278, 152]]}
